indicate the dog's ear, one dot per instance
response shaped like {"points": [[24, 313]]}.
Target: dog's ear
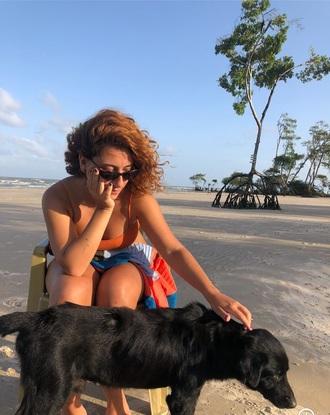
{"points": [[251, 367], [253, 360]]}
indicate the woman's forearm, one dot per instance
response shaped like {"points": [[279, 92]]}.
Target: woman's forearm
{"points": [[78, 254], [185, 265], [188, 268]]}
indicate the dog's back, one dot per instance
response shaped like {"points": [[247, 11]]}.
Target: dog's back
{"points": [[14, 322]]}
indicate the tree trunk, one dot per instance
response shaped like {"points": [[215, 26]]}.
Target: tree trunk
{"points": [[288, 177], [256, 149], [316, 170], [276, 152], [299, 168], [309, 171]]}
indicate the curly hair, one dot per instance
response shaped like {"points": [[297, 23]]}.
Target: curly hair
{"points": [[113, 128]]}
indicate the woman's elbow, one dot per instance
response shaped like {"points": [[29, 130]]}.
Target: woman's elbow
{"points": [[174, 252], [73, 270]]}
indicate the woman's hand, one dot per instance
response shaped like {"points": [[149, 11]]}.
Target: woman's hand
{"points": [[99, 190], [226, 307]]}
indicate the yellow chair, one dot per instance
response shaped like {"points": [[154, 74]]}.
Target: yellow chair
{"points": [[38, 300]]}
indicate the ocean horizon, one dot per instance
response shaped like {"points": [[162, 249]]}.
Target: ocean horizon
{"points": [[32, 182]]}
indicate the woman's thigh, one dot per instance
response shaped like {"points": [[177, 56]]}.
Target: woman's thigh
{"points": [[120, 286], [62, 287]]}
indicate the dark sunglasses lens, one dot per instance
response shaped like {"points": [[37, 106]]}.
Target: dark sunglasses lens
{"points": [[109, 175], [129, 174], [113, 175]]}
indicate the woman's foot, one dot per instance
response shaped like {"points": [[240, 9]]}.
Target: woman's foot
{"points": [[117, 403], [113, 411], [74, 410], [74, 406]]}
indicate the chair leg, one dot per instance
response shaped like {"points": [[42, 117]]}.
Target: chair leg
{"points": [[20, 393], [157, 398]]}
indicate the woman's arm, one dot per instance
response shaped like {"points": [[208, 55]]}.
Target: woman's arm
{"points": [[72, 251], [182, 261]]}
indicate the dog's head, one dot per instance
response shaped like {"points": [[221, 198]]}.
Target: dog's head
{"points": [[263, 367]]}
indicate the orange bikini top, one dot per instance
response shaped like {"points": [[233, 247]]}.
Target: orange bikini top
{"points": [[124, 240]]}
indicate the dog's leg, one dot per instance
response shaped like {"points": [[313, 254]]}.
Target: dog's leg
{"points": [[183, 400], [30, 392], [40, 405], [47, 398]]}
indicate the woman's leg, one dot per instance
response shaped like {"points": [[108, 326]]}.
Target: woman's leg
{"points": [[79, 290], [121, 286]]}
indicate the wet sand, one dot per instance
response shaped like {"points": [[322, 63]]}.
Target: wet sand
{"points": [[275, 262]]}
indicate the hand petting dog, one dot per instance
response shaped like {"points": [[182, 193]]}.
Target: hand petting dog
{"points": [[226, 307]]}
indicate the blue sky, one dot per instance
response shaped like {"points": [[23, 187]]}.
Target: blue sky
{"points": [[62, 61]]}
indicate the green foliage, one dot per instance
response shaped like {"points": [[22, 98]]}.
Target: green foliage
{"points": [[318, 149], [286, 127], [286, 162], [316, 67], [252, 50], [237, 178], [300, 188], [324, 183], [198, 178]]}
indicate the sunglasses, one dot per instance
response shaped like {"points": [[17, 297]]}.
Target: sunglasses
{"points": [[113, 175]]}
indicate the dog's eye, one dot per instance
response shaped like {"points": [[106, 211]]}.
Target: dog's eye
{"points": [[268, 381], [277, 378]]}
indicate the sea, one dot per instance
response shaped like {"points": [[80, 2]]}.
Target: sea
{"points": [[28, 182], [25, 182]]}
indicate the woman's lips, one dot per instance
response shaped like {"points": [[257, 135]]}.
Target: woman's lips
{"points": [[115, 192]]}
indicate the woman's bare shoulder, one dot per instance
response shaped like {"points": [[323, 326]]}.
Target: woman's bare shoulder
{"points": [[58, 192], [143, 200], [145, 204]]}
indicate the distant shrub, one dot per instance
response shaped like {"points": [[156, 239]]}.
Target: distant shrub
{"points": [[300, 188]]}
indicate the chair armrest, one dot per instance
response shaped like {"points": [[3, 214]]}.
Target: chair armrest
{"points": [[42, 248], [37, 274]]}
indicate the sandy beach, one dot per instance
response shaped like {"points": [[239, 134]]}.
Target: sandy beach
{"points": [[275, 262]]}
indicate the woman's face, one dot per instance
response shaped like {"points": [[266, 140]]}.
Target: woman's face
{"points": [[113, 160]]}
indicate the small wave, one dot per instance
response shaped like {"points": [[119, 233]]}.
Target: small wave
{"points": [[24, 182], [178, 189]]}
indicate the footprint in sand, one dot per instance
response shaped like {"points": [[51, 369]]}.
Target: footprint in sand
{"points": [[10, 372], [6, 351], [15, 302]]}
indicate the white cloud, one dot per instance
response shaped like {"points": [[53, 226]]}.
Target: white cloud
{"points": [[11, 119], [50, 101], [167, 151], [57, 122], [8, 110], [61, 125], [31, 147], [27, 148], [7, 102]]}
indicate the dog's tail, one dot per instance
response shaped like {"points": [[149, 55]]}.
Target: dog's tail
{"points": [[10, 323]]}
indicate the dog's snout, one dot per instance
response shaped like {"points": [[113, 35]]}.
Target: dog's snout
{"points": [[285, 402], [290, 401]]}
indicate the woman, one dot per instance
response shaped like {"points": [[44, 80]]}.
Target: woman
{"points": [[94, 220]]}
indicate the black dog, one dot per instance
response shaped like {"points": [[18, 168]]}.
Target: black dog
{"points": [[119, 347]]}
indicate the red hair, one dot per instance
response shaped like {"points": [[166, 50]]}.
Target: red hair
{"points": [[113, 128]]}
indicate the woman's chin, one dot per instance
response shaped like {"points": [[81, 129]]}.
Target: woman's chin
{"points": [[114, 195]]}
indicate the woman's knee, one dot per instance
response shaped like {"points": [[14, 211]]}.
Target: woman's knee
{"points": [[121, 286], [62, 287]]}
